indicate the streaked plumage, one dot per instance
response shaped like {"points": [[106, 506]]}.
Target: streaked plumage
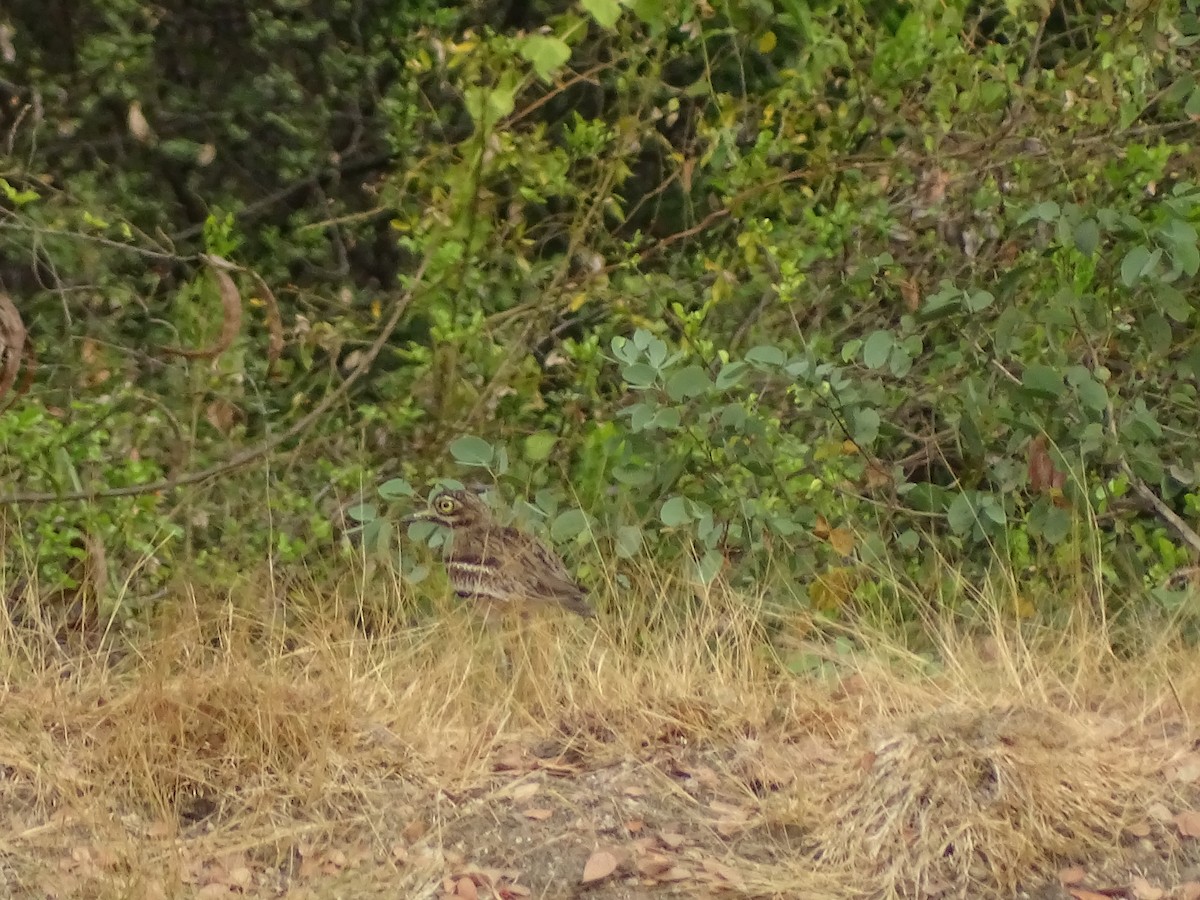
{"points": [[498, 565]]}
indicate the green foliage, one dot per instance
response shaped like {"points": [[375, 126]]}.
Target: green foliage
{"points": [[64, 450], [774, 290]]}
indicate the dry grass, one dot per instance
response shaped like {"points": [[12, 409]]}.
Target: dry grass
{"points": [[237, 753]]}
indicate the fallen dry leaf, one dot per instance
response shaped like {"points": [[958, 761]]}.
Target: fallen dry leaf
{"points": [[538, 814], [1144, 890], [466, 889], [1189, 890], [718, 868], [1188, 823], [1187, 769], [634, 826], [1140, 829], [599, 866], [1084, 894], [1159, 812], [675, 873], [1070, 875], [671, 841], [511, 759], [523, 792], [240, 877], [645, 843], [654, 866], [414, 831]]}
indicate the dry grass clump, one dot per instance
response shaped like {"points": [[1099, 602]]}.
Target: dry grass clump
{"points": [[187, 719], [211, 732], [989, 798], [232, 734]]}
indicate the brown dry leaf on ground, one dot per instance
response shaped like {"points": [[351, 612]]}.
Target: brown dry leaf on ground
{"points": [[1188, 823], [600, 865], [1071, 875]]}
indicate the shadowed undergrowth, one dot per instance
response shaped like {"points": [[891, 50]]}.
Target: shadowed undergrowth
{"points": [[259, 752]]}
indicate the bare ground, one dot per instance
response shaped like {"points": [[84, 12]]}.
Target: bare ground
{"points": [[641, 758]]}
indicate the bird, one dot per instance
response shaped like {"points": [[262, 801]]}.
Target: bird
{"points": [[498, 566]]}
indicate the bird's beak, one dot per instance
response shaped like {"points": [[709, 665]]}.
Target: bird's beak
{"points": [[423, 515]]}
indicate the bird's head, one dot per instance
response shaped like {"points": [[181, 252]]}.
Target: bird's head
{"points": [[453, 509]]}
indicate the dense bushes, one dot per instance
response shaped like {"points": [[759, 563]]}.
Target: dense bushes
{"points": [[772, 286]]}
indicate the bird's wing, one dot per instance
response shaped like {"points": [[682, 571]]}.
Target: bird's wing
{"points": [[547, 578]]}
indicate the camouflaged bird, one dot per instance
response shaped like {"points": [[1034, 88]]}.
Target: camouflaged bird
{"points": [[497, 565]]}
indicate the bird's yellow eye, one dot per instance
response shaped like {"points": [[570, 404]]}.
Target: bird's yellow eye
{"points": [[445, 504]]}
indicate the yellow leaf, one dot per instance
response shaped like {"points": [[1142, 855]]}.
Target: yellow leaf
{"points": [[376, 309], [832, 589], [577, 301], [767, 42], [842, 541], [827, 450]]}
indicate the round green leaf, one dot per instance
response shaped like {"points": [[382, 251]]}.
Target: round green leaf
{"points": [[545, 53], [472, 451], [420, 531], [900, 361], [1044, 381], [675, 512], [539, 446], [1137, 262], [866, 427], [979, 301], [605, 12], [1046, 211], [766, 355], [1051, 523], [568, 524], [1087, 237], [363, 512], [1092, 394], [629, 541], [667, 419], [877, 348], [639, 375], [731, 373], [961, 514], [395, 489], [640, 416], [690, 381], [633, 476]]}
